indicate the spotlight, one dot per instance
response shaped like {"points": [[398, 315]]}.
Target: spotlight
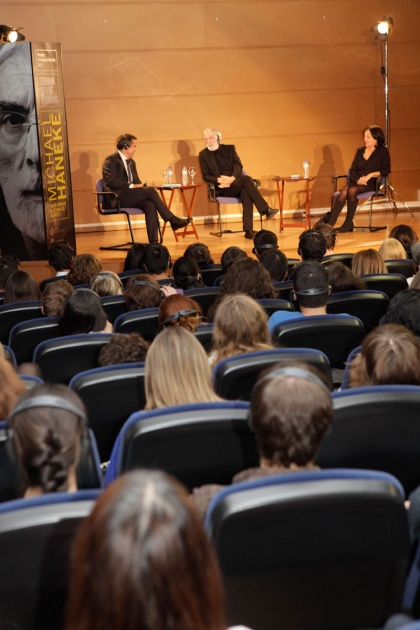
{"points": [[383, 28], [10, 35]]}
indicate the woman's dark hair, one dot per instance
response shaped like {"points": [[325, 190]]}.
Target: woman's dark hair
{"points": [[200, 253], [47, 439], [60, 255], [21, 287], [186, 274], [377, 134], [404, 309], [341, 278], [134, 258], [230, 256], [406, 235], [83, 267], [142, 291], [143, 560], [82, 313]]}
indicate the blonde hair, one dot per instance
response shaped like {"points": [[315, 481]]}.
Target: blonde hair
{"points": [[177, 370], [392, 249], [106, 283], [368, 261], [240, 325], [11, 387]]}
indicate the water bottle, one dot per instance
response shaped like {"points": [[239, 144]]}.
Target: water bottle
{"points": [[184, 176], [169, 173], [305, 165]]}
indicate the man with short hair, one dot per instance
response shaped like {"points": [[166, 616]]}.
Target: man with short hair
{"points": [[60, 255], [312, 245], [120, 176], [264, 240]]}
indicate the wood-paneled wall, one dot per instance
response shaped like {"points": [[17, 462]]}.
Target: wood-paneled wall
{"points": [[283, 80]]}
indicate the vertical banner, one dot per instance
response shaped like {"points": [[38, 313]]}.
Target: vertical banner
{"points": [[53, 142]]}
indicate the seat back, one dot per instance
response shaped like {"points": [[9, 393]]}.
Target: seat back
{"points": [[404, 266], [283, 289], [345, 259], [12, 314], [377, 428], [111, 394], [271, 305], [368, 306], [319, 549], [35, 544], [25, 337], [198, 444], [205, 296], [61, 358], [335, 335], [144, 321], [209, 273], [389, 283], [114, 306], [235, 377], [204, 334]]}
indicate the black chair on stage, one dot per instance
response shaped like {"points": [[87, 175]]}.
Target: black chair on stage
{"points": [[235, 376], [12, 314], [369, 306], [62, 358], [271, 305], [314, 549], [404, 266], [335, 335], [114, 306], [205, 296], [111, 394], [345, 259], [36, 536], [198, 444], [389, 283], [209, 273], [25, 337], [377, 428], [144, 321]]}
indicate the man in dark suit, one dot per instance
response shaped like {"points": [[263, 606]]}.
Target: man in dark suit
{"points": [[220, 165], [120, 176]]}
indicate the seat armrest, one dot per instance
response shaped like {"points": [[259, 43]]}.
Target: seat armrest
{"points": [[107, 193], [335, 179], [211, 190]]}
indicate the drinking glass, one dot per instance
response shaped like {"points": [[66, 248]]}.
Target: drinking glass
{"points": [[169, 173], [191, 172]]}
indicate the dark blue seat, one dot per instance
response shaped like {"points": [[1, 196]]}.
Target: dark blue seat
{"points": [[144, 321], [369, 306], [25, 337], [12, 314]]}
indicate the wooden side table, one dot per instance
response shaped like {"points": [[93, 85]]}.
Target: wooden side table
{"points": [[187, 203], [280, 194]]}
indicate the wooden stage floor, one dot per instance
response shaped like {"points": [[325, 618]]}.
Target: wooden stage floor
{"points": [[349, 242]]}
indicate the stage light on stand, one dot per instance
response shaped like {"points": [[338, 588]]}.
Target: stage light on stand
{"points": [[10, 35]]}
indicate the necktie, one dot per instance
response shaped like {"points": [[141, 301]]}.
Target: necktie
{"points": [[129, 172]]}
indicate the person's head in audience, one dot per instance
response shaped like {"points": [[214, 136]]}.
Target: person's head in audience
{"points": [[312, 245], [157, 261], [390, 355], [83, 267], [106, 283], [8, 265], [406, 235], [127, 348], [240, 325], [179, 310], [329, 234], [200, 253], [341, 278], [264, 240], [415, 255], [391, 249], [134, 258], [21, 287], [60, 255], [186, 274], [291, 411], [368, 261], [276, 264], [142, 559], [311, 287], [177, 370], [47, 426], [230, 256], [83, 313], [404, 309], [11, 386], [54, 296], [142, 291]]}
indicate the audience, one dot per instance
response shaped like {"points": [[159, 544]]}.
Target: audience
{"points": [[106, 283], [312, 245], [11, 386], [230, 256], [240, 326], [47, 426], [83, 313], [134, 258], [391, 249], [291, 410], [404, 309], [54, 296], [415, 255], [127, 348], [330, 235], [406, 235], [186, 274], [390, 355], [368, 261], [177, 370], [21, 287], [143, 560], [276, 264], [157, 261], [264, 240], [142, 291], [341, 278], [83, 267], [179, 310], [60, 255], [200, 253]]}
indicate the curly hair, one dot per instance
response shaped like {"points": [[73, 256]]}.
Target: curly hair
{"points": [[138, 295], [83, 267], [124, 348], [54, 296]]}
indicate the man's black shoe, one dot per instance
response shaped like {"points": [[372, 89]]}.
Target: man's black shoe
{"points": [[177, 223], [271, 212]]}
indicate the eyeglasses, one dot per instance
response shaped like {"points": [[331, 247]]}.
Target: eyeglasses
{"points": [[13, 126]]}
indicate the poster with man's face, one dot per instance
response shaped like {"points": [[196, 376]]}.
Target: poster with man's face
{"points": [[22, 225]]}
